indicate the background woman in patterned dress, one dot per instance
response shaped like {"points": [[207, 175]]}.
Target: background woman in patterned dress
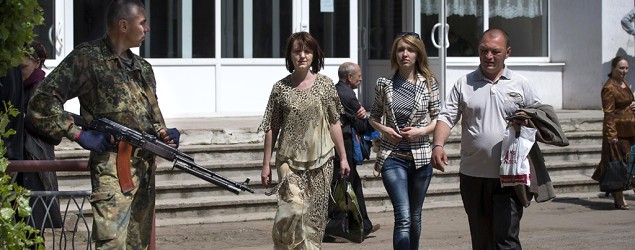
{"points": [[303, 116], [405, 100]]}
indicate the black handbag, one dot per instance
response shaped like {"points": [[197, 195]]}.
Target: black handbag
{"points": [[615, 176]]}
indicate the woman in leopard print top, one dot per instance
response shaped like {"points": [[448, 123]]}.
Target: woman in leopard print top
{"points": [[303, 116]]}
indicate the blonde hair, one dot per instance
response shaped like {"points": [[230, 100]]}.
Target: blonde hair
{"points": [[421, 66]]}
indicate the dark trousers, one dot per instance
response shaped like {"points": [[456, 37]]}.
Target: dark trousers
{"points": [[493, 212], [355, 181]]}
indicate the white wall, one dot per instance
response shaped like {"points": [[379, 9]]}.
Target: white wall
{"points": [[586, 36], [615, 41], [546, 78], [215, 90], [203, 88], [576, 41]]}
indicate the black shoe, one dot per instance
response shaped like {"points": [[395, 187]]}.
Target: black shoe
{"points": [[374, 228], [621, 207]]}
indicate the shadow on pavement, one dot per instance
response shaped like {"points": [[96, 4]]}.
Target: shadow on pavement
{"points": [[602, 202]]}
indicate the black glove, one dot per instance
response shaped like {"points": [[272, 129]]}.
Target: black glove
{"points": [[94, 141], [175, 135]]}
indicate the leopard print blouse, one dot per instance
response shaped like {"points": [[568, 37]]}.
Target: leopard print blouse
{"points": [[304, 118]]}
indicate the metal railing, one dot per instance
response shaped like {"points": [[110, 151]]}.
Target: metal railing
{"points": [[74, 231]]}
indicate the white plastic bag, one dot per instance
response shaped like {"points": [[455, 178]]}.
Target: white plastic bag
{"points": [[514, 169]]}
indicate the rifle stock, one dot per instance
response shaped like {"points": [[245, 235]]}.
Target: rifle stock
{"points": [[152, 144]]}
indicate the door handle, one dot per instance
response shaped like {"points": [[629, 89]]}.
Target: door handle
{"points": [[434, 40]]}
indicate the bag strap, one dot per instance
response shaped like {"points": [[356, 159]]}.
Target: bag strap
{"points": [[616, 150]]}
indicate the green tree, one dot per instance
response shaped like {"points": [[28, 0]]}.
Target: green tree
{"points": [[17, 20]]}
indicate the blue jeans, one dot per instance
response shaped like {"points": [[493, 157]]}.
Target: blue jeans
{"points": [[406, 187]]}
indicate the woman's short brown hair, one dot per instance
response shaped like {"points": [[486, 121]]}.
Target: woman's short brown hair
{"points": [[305, 40]]}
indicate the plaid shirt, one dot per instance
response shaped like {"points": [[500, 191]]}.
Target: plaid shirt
{"points": [[426, 103]]}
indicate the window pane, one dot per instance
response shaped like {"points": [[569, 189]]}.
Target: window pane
{"points": [[525, 22], [178, 30], [255, 28], [271, 42], [46, 33], [385, 23], [89, 20], [163, 39], [466, 26], [331, 29], [203, 26]]}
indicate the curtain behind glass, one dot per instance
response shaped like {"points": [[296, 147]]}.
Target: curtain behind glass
{"points": [[524, 20], [497, 8]]}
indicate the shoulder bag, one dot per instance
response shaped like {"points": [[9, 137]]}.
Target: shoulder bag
{"points": [[615, 175]]}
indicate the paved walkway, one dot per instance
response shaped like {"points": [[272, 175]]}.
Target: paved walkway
{"points": [[564, 223]]}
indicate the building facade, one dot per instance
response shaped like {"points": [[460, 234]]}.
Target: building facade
{"points": [[217, 58]]}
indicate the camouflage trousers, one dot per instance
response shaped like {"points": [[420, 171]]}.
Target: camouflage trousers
{"points": [[302, 207], [122, 220]]}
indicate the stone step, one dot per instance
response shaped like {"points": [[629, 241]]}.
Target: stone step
{"points": [[193, 187], [210, 208], [580, 156], [241, 160], [253, 151], [244, 130], [236, 153]]}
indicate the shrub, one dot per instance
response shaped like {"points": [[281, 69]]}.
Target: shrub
{"points": [[15, 209], [17, 20]]}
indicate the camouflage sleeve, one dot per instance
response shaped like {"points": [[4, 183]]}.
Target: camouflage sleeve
{"points": [[148, 75], [66, 81]]}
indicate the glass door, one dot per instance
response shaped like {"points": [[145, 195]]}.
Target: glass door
{"points": [[380, 21], [431, 20]]}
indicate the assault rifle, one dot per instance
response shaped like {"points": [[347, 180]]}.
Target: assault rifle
{"points": [[150, 143]]}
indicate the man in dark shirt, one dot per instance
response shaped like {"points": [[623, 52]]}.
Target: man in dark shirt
{"points": [[350, 77]]}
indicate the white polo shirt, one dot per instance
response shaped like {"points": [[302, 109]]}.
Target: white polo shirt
{"points": [[482, 106]]}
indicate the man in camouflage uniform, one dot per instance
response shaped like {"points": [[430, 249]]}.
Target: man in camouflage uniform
{"points": [[112, 82]]}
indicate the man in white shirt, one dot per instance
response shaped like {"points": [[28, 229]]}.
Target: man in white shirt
{"points": [[482, 100]]}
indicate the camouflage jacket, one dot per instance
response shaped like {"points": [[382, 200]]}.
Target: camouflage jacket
{"points": [[94, 74]]}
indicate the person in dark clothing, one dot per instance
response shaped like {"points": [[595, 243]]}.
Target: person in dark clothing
{"points": [[38, 146], [355, 116], [11, 91]]}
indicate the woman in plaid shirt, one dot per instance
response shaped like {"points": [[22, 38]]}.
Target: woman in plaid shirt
{"points": [[405, 100]]}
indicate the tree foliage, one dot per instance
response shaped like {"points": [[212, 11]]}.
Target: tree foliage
{"points": [[15, 233], [17, 20]]}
